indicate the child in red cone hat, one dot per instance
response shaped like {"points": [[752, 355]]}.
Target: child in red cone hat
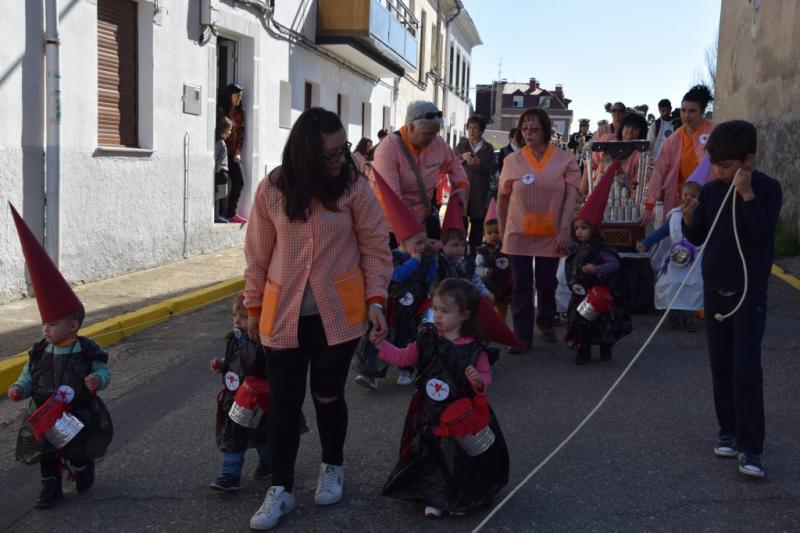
{"points": [[492, 265], [453, 363], [453, 259], [62, 368], [592, 271], [414, 273]]}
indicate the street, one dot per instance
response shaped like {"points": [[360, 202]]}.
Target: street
{"points": [[644, 463]]}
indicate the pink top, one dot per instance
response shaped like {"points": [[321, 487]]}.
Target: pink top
{"points": [[409, 356], [360, 161], [530, 201], [668, 164], [437, 158]]}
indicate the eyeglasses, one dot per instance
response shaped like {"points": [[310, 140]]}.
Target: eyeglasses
{"points": [[533, 129], [333, 156], [430, 115]]}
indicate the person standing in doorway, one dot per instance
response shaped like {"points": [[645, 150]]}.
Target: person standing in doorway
{"points": [[231, 107]]}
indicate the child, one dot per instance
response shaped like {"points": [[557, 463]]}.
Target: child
{"points": [[491, 265], [677, 262], [414, 273], [453, 261], [243, 357], [592, 269], [453, 364], [734, 343], [64, 371], [221, 178]]}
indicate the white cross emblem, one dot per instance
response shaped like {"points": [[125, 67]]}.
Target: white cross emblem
{"points": [[407, 300], [703, 138], [527, 179], [231, 380], [578, 289], [437, 390], [65, 393], [501, 263]]}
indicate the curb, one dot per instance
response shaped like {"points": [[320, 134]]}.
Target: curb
{"points": [[788, 278], [119, 327]]}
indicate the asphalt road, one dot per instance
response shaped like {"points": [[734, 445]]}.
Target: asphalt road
{"points": [[644, 463]]}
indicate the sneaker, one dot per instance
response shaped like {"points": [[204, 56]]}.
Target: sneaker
{"points": [[406, 377], [84, 476], [329, 486], [277, 503], [225, 483], [237, 219], [220, 220], [50, 494], [369, 382], [726, 446], [432, 512], [750, 464], [262, 471]]}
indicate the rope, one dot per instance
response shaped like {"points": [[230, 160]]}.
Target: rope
{"points": [[719, 316], [630, 365]]}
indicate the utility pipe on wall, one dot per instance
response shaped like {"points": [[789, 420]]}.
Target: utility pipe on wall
{"points": [[52, 191]]}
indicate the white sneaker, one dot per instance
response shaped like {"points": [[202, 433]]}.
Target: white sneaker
{"points": [[277, 503], [369, 382], [329, 486], [406, 377], [432, 512]]}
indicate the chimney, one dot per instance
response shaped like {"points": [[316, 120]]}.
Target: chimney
{"points": [[559, 90], [533, 84]]}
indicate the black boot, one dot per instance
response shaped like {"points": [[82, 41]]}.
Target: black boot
{"points": [[84, 475], [50, 494], [605, 352], [584, 355]]}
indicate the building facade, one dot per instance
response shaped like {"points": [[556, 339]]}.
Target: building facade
{"points": [[505, 101], [758, 79], [128, 141]]}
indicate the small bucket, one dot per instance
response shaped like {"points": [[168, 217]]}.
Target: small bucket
{"points": [[461, 421], [64, 430], [474, 445], [251, 402], [587, 310]]}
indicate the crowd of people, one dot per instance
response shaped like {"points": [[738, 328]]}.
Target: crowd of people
{"points": [[347, 257]]}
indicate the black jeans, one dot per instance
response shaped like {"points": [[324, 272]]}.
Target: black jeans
{"points": [[287, 374], [475, 237], [734, 347], [236, 175]]}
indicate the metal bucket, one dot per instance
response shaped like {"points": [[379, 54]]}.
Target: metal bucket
{"points": [[587, 310], [63, 431], [474, 445], [245, 417]]}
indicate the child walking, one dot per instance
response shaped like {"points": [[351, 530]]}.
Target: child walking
{"points": [[222, 180], [598, 313], [453, 456], [492, 265], [244, 357], [453, 261], [734, 343], [414, 273], [63, 374]]}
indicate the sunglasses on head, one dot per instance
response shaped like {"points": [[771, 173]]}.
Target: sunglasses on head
{"points": [[430, 115]]}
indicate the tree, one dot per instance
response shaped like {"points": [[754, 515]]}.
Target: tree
{"points": [[707, 74]]}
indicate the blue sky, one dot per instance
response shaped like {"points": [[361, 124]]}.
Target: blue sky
{"points": [[635, 51]]}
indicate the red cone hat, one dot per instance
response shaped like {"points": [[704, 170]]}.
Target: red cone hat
{"points": [[493, 326], [404, 225], [592, 211], [491, 211], [453, 219], [54, 296]]}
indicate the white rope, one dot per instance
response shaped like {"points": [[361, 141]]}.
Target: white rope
{"points": [[627, 368], [719, 316]]}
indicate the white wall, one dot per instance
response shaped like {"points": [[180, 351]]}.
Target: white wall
{"points": [[124, 211]]}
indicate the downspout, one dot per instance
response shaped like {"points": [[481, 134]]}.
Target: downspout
{"points": [[52, 191], [445, 87]]}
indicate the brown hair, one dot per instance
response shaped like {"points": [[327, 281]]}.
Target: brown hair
{"points": [[544, 122], [466, 296], [452, 234], [223, 123]]}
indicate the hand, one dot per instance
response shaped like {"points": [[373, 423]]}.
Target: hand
{"points": [[417, 256], [474, 378], [15, 393], [92, 382], [252, 326], [216, 365], [688, 207], [588, 269], [461, 195], [743, 183], [379, 326], [432, 246], [489, 296], [237, 158], [640, 247], [563, 241], [647, 218]]}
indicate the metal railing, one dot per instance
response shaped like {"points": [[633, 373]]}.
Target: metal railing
{"points": [[402, 13]]}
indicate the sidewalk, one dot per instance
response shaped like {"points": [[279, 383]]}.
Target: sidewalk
{"points": [[21, 325]]}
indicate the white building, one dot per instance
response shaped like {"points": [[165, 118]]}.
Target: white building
{"points": [[132, 175]]}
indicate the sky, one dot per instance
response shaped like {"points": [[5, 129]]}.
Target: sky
{"points": [[634, 51]]}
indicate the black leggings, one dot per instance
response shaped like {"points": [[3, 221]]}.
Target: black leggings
{"points": [[237, 183], [287, 372]]}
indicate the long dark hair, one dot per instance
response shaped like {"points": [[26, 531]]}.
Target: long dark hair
{"points": [[227, 92], [361, 147], [303, 175], [466, 296]]}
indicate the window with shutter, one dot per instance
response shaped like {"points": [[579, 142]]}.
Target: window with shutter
{"points": [[117, 79]]}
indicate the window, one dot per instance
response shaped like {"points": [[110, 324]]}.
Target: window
{"points": [[450, 70], [466, 87], [117, 73], [343, 109], [285, 111], [434, 47], [544, 102], [421, 67], [518, 101], [387, 117], [339, 106], [458, 70], [463, 75], [308, 96], [366, 119]]}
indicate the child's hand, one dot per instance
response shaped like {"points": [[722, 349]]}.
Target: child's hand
{"points": [[640, 247], [588, 269], [15, 393], [216, 365], [417, 256], [376, 337], [743, 184], [688, 206], [92, 382], [474, 378]]}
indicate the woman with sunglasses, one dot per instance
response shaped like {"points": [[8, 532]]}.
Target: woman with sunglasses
{"points": [[317, 271], [418, 154], [536, 203], [680, 153]]}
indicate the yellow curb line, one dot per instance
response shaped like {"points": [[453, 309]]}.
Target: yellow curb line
{"points": [[117, 328], [788, 278]]}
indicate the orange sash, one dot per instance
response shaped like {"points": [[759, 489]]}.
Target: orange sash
{"points": [[416, 152], [538, 164]]}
